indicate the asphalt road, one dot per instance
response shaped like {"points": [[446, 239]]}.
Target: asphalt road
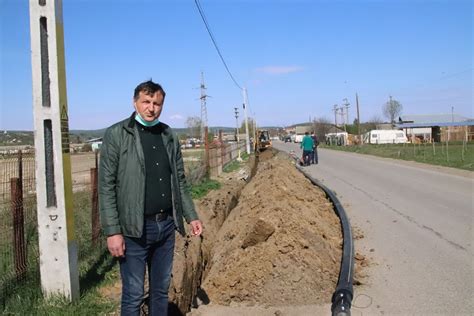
{"points": [[417, 222]]}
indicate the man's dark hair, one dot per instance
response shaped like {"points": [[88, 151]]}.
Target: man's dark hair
{"points": [[306, 133], [149, 88]]}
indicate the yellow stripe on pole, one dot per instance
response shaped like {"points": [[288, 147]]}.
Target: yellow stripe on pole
{"points": [[65, 132]]}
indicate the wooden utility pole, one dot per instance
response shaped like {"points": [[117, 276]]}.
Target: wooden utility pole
{"points": [[358, 120]]}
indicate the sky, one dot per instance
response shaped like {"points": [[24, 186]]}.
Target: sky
{"points": [[296, 58]]}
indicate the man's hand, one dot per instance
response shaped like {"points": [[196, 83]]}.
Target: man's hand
{"points": [[116, 245], [196, 227]]}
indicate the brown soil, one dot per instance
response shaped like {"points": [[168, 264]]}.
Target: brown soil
{"points": [[281, 245], [270, 240]]}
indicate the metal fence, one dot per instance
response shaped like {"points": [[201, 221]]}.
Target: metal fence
{"points": [[19, 253], [18, 224]]}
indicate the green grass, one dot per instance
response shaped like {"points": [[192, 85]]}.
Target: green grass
{"points": [[231, 166], [236, 165], [96, 269], [454, 155], [28, 300], [200, 190], [245, 156]]}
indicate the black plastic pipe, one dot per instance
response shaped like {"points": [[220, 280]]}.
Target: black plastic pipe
{"points": [[342, 296]]}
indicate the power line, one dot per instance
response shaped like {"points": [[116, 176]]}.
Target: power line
{"points": [[201, 12]]}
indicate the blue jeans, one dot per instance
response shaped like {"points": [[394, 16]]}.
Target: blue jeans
{"points": [[314, 156], [155, 248]]}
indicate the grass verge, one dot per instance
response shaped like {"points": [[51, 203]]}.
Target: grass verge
{"points": [[454, 155], [201, 189], [234, 164]]}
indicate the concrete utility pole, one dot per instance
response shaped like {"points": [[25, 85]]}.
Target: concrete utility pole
{"points": [[203, 109], [57, 244], [247, 137], [335, 115], [237, 132], [345, 117], [346, 105]]}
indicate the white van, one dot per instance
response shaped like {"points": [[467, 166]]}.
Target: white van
{"points": [[385, 136]]}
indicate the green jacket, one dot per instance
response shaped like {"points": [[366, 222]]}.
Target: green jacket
{"points": [[122, 181], [307, 143]]}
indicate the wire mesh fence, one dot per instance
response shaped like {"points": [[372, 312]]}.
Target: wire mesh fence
{"points": [[19, 251]]}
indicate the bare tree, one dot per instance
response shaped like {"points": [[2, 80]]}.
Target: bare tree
{"points": [[375, 119], [194, 125], [392, 109], [321, 127], [371, 124]]}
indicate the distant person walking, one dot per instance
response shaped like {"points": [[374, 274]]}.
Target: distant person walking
{"points": [[307, 146], [143, 198], [314, 156]]}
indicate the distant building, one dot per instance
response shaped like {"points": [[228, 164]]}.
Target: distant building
{"points": [[96, 143], [437, 127]]}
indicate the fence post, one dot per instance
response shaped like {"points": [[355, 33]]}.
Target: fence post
{"points": [[20, 171], [94, 208], [223, 149], [447, 144], [18, 226]]}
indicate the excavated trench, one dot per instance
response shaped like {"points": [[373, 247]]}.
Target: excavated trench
{"points": [[270, 237]]}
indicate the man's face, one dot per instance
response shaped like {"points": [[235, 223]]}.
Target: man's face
{"points": [[149, 106]]}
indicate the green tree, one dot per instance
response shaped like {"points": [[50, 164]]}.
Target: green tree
{"points": [[251, 123]]}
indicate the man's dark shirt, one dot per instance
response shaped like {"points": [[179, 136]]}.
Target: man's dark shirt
{"points": [[158, 170]]}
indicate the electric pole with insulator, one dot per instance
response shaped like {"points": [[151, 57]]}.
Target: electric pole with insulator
{"points": [[203, 109], [236, 111]]}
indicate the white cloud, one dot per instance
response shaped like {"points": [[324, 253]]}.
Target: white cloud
{"points": [[176, 117], [279, 70]]}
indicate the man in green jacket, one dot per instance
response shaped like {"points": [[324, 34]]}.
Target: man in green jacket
{"points": [[307, 146], [143, 198]]}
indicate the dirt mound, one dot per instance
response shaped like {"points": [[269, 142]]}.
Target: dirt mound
{"points": [[281, 244]]}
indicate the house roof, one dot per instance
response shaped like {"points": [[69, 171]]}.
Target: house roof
{"points": [[439, 124], [433, 118]]}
